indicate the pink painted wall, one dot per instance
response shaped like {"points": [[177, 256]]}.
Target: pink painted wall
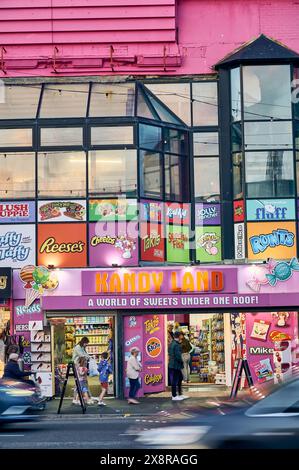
{"points": [[147, 37]]}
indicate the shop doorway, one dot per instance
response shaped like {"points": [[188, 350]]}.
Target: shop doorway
{"points": [[209, 336], [66, 332]]}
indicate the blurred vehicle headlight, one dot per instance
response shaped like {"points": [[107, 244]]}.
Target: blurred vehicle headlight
{"points": [[173, 435], [19, 393]]}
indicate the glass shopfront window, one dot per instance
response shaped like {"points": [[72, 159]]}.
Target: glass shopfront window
{"points": [[267, 92], [59, 101], [19, 101], [176, 96], [112, 135], [61, 174], [236, 136], [205, 143], [235, 91], [15, 138], [150, 137], [112, 100], [206, 179], [152, 174], [175, 141], [205, 104], [61, 136], [112, 172], [268, 135], [269, 174], [238, 172], [17, 175]]}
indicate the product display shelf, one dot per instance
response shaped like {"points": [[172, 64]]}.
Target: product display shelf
{"points": [[218, 341], [204, 344]]}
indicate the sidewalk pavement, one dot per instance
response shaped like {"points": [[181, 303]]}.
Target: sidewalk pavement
{"points": [[158, 405]]}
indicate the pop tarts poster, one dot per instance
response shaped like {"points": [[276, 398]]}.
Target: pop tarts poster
{"points": [[17, 245], [14, 212]]}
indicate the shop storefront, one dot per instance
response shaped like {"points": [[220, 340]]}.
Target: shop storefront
{"points": [[228, 312]]}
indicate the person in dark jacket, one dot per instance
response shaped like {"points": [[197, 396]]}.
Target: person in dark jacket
{"points": [[12, 370], [175, 366]]}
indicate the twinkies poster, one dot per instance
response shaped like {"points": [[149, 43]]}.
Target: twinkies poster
{"points": [[17, 245]]}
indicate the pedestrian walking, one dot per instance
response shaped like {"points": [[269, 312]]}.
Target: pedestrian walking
{"points": [[82, 372], [175, 366], [186, 350], [104, 368], [133, 372]]}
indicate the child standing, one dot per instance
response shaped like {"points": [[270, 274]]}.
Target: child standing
{"points": [[82, 371], [104, 369]]}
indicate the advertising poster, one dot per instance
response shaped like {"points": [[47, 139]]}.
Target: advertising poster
{"points": [[152, 242], [151, 211], [62, 211], [177, 244], [22, 317], [239, 230], [176, 213], [207, 214], [105, 210], [208, 244], [62, 245], [239, 211], [17, 245], [113, 243], [270, 209], [5, 283], [275, 240], [267, 333], [153, 353], [17, 212], [133, 336]]}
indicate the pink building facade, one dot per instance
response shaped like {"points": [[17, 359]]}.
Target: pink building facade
{"points": [[148, 37]]}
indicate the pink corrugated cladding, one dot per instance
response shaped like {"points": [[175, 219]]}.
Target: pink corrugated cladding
{"points": [[74, 37]]}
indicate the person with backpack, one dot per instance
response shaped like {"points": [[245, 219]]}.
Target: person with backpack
{"points": [[104, 368], [175, 366]]}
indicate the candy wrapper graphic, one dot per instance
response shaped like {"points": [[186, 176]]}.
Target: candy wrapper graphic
{"points": [[125, 244], [263, 370], [36, 280], [271, 273], [208, 242], [282, 271]]}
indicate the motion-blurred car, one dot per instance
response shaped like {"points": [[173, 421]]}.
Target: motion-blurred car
{"points": [[19, 401], [272, 422]]}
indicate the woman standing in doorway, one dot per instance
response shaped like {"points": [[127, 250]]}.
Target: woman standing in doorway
{"points": [[133, 373]]}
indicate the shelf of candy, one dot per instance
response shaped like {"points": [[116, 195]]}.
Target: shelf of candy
{"points": [[96, 349], [89, 320], [218, 341], [70, 340]]}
